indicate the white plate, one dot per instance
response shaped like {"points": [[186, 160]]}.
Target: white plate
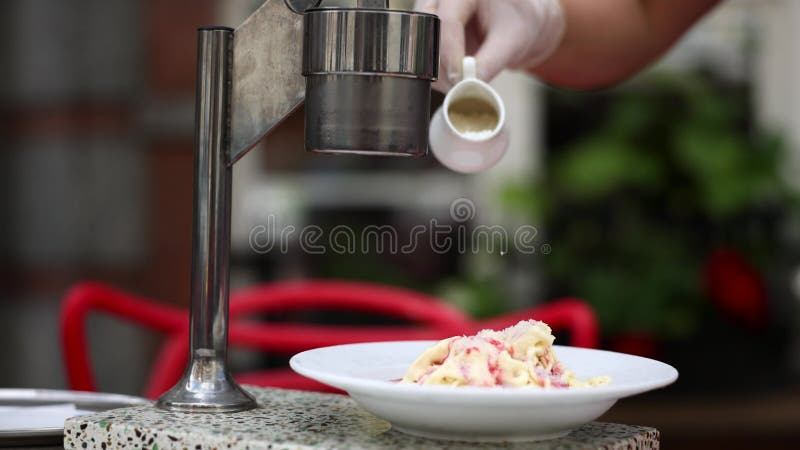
{"points": [[369, 373], [37, 435]]}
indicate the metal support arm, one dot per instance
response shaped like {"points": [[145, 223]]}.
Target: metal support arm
{"points": [[247, 82]]}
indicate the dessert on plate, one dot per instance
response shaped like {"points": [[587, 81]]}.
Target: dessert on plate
{"points": [[519, 356]]}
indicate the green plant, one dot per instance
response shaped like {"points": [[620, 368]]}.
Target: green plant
{"points": [[632, 208]]}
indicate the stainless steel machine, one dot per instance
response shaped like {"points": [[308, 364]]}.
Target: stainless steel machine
{"points": [[365, 73]]}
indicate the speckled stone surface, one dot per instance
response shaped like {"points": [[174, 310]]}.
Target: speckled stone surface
{"points": [[295, 420]]}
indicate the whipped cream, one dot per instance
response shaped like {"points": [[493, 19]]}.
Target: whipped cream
{"points": [[520, 355]]}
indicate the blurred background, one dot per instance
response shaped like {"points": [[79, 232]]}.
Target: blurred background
{"points": [[669, 203]]}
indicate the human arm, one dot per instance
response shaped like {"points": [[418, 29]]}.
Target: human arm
{"points": [[607, 41], [572, 43]]}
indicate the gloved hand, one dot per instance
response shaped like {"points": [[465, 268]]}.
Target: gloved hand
{"points": [[501, 34]]}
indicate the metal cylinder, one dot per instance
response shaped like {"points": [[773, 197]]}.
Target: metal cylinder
{"points": [[207, 384], [367, 114], [371, 41], [368, 76]]}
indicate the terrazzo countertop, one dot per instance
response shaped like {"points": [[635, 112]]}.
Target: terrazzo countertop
{"points": [[296, 420]]}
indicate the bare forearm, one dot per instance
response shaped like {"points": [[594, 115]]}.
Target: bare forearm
{"points": [[607, 41]]}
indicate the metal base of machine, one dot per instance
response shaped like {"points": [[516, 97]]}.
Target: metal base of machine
{"points": [[235, 401], [215, 392]]}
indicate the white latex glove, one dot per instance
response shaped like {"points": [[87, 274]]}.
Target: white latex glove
{"points": [[513, 34]]}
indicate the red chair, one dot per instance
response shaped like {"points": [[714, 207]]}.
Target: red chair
{"points": [[432, 319], [435, 319]]}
